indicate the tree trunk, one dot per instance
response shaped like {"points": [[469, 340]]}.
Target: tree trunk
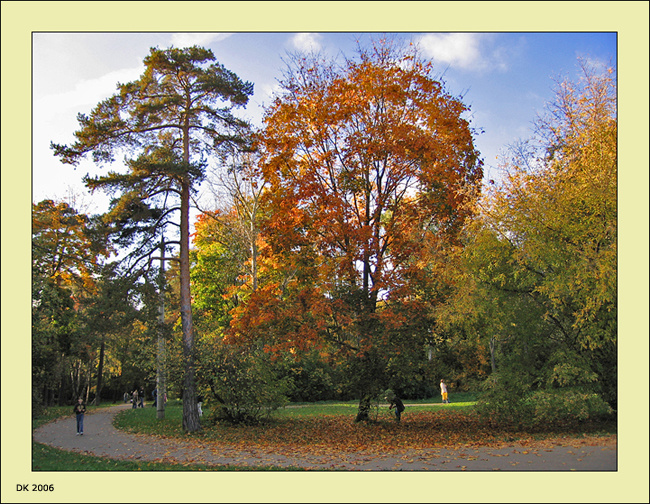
{"points": [[254, 253], [492, 348], [87, 394], [363, 415], [191, 421], [369, 366], [160, 364], [100, 371]]}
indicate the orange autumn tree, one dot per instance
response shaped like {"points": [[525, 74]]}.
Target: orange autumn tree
{"points": [[370, 165]]}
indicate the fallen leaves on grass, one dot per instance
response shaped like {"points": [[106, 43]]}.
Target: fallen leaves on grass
{"points": [[328, 434]]}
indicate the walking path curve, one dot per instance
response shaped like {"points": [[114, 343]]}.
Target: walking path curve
{"points": [[102, 439]]}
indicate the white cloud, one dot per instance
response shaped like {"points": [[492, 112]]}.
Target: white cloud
{"points": [[597, 64], [200, 39], [268, 91], [55, 121], [89, 92], [306, 42], [107, 83], [475, 52], [456, 49]]}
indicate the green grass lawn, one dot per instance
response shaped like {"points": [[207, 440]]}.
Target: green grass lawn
{"points": [[145, 420], [462, 401]]}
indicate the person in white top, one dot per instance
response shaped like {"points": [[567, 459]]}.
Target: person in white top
{"points": [[443, 391]]}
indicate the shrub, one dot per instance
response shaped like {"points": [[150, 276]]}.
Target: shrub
{"points": [[564, 406], [543, 409], [245, 385], [312, 379]]}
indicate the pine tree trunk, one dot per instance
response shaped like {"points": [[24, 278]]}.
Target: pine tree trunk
{"points": [[191, 421], [160, 358]]}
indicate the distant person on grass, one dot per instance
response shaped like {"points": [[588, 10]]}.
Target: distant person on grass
{"points": [[395, 403], [443, 391], [79, 410]]}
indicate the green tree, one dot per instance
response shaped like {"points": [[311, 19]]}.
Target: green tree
{"points": [[219, 260], [544, 247], [176, 112], [110, 312], [67, 252]]}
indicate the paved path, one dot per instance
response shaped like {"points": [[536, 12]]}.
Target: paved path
{"points": [[102, 439]]}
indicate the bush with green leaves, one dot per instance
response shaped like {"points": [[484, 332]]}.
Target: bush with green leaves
{"points": [[540, 409], [311, 377], [564, 407], [244, 385]]}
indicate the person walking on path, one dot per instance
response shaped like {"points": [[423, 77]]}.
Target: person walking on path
{"points": [[134, 401], [79, 410], [443, 391], [141, 396]]}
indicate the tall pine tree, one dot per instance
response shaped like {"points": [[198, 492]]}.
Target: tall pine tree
{"points": [[178, 111]]}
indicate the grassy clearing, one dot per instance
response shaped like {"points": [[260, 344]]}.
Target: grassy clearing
{"points": [[462, 401], [330, 426], [145, 420]]}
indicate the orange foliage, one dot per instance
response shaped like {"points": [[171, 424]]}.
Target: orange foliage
{"points": [[370, 169]]}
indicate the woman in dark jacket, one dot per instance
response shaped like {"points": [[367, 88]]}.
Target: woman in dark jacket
{"points": [[79, 410]]}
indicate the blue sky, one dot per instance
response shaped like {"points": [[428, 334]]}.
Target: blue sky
{"points": [[506, 79]]}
